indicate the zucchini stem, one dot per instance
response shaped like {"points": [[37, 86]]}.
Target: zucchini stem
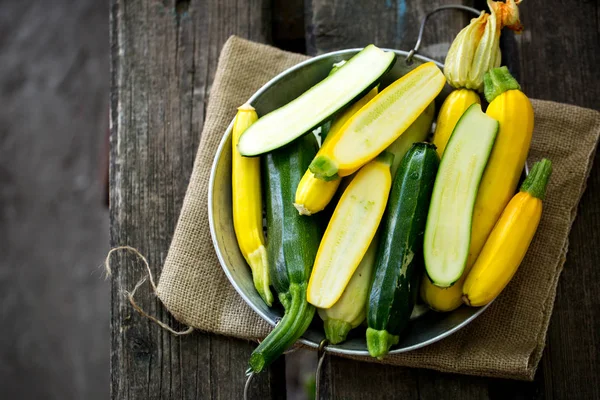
{"points": [[536, 182], [497, 81], [286, 332], [324, 168], [336, 330], [379, 342], [285, 299]]}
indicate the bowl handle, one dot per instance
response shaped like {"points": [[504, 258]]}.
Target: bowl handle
{"points": [[322, 352], [415, 49]]}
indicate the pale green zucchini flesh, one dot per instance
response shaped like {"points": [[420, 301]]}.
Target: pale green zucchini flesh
{"points": [[276, 129], [448, 229]]}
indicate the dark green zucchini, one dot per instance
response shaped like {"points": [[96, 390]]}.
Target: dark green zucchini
{"points": [[292, 244], [399, 255]]}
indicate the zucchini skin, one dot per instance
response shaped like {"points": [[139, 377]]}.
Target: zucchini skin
{"points": [[292, 239], [292, 243], [400, 253]]}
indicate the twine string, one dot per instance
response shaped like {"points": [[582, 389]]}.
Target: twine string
{"points": [[131, 295]]}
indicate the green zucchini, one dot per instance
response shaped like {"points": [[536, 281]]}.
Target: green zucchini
{"points": [[399, 255], [292, 243], [350, 310], [448, 229], [318, 104], [323, 130]]}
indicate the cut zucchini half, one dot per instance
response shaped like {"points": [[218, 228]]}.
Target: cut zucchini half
{"points": [[379, 123], [350, 231], [448, 229], [276, 129]]}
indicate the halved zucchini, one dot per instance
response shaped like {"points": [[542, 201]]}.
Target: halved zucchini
{"points": [[276, 129], [381, 121], [350, 231], [448, 230]]}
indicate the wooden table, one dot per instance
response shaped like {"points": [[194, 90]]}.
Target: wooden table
{"points": [[164, 56]]}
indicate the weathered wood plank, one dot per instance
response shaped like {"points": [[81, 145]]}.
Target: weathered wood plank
{"points": [[288, 25], [347, 379], [560, 63], [436, 386], [560, 51], [334, 25], [164, 56]]}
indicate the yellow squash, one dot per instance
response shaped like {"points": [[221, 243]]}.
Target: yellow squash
{"points": [[351, 309], [247, 206], [312, 194], [381, 121], [509, 240], [442, 299], [513, 110], [452, 109], [417, 132], [350, 231]]}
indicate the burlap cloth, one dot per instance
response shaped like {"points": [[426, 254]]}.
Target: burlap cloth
{"points": [[505, 341]]}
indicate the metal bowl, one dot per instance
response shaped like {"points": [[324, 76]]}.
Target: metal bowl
{"points": [[425, 327]]}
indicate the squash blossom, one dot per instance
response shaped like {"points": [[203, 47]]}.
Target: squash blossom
{"points": [[507, 14], [476, 49]]}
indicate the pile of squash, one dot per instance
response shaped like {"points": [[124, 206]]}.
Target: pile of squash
{"points": [[361, 223]]}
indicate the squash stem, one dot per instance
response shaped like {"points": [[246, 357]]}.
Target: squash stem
{"points": [[379, 342], [536, 182], [324, 168], [336, 330], [497, 81], [286, 332], [285, 299]]}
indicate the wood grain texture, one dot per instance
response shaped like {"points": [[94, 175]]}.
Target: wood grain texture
{"points": [[164, 56], [288, 25], [347, 379], [334, 25], [543, 57]]}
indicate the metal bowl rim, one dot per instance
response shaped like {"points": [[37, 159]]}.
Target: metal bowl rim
{"points": [[309, 343]]}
